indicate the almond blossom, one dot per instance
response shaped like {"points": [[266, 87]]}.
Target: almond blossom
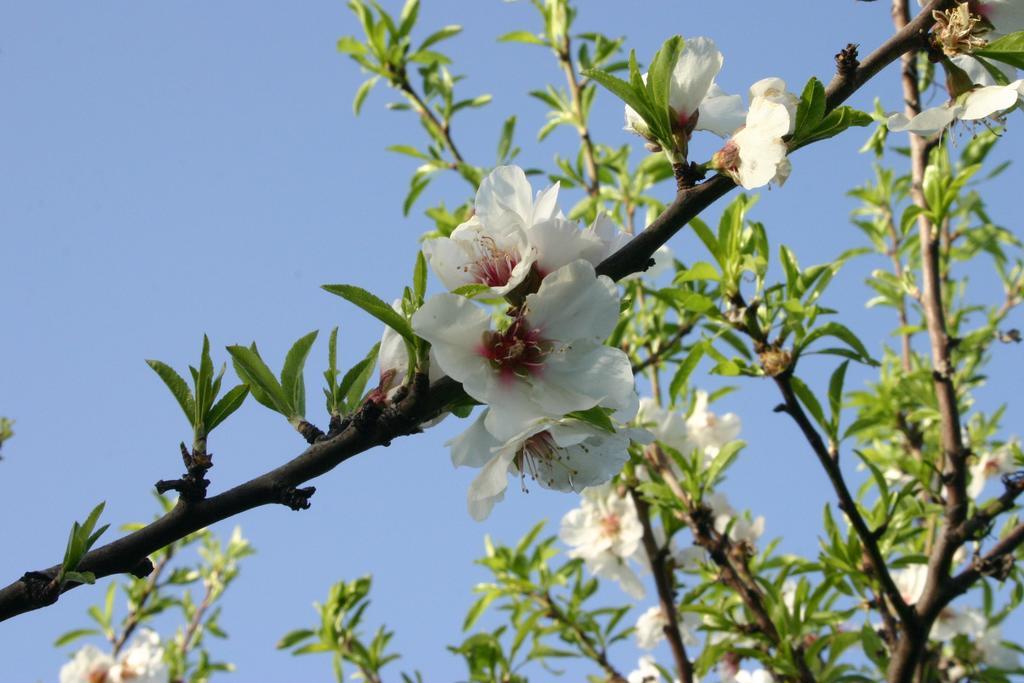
{"points": [[547, 361], [979, 103], [695, 101], [562, 455], [141, 662], [647, 672], [491, 248], [605, 532], [650, 628], [741, 528], [756, 154], [756, 676], [703, 429], [992, 464], [910, 582]]}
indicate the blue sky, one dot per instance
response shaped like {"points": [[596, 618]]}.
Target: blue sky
{"points": [[174, 169]]}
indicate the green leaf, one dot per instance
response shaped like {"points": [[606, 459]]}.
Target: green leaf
{"points": [[351, 45], [80, 577], [178, 387], [1008, 49], [408, 150], [443, 34], [726, 455], [74, 635], [419, 278], [375, 307], [294, 637], [228, 404], [265, 388], [353, 384], [624, 91], [596, 417], [843, 333], [700, 270], [472, 290], [810, 110], [659, 81], [835, 396], [685, 369], [408, 16], [505, 141], [809, 400], [522, 37], [291, 374], [361, 93]]}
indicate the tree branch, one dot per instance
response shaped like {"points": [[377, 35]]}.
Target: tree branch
{"points": [[373, 427], [663, 582]]}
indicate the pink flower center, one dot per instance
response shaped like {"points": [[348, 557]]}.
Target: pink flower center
{"points": [[611, 525], [727, 158], [519, 351], [493, 266]]}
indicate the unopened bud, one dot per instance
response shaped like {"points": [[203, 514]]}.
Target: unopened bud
{"points": [[776, 361]]}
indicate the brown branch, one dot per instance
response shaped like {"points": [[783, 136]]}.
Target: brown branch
{"points": [[135, 617], [992, 563], [663, 582], [587, 646], [868, 537], [910, 651], [657, 356], [731, 559], [428, 115], [576, 95], [372, 427]]}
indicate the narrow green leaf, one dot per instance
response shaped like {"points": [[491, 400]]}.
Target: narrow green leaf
{"points": [[291, 374], [1008, 49], [353, 384], [809, 400], [685, 369], [178, 387], [407, 18], [361, 93], [229, 403], [595, 417], [80, 577], [443, 34], [419, 278], [265, 388], [725, 457], [505, 141], [835, 397], [375, 307], [522, 37], [74, 635], [700, 270], [810, 110]]}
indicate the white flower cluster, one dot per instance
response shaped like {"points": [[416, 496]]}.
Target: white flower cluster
{"points": [[546, 358], [754, 154], [983, 96], [970, 622], [141, 662], [702, 429]]}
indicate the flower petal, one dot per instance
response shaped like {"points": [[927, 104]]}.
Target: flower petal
{"points": [[694, 72], [572, 303]]}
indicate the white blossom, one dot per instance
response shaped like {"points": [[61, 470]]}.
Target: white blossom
{"points": [[740, 527], [492, 247], [605, 532], [89, 665], [708, 431], [773, 89], [994, 652], [142, 661], [562, 455], [992, 464], [650, 627], [668, 426], [910, 582], [647, 672], [979, 103], [756, 153], [757, 676], [548, 361]]}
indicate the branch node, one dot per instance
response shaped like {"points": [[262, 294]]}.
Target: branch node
{"points": [[295, 498], [142, 568], [846, 61], [43, 589], [998, 567], [688, 175], [310, 432]]}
